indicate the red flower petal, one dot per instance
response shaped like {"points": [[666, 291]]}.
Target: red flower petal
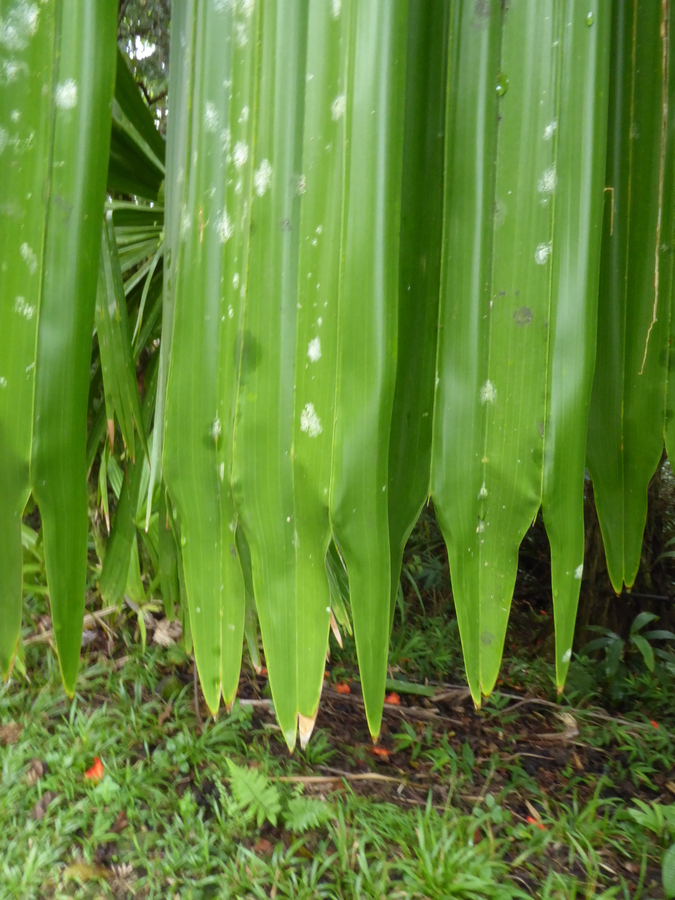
{"points": [[96, 771]]}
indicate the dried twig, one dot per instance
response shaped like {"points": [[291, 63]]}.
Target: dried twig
{"points": [[89, 619], [412, 712], [339, 776]]}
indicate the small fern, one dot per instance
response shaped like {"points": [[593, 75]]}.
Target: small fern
{"points": [[303, 813], [253, 794], [668, 872]]}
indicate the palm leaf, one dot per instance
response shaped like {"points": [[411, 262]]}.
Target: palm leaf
{"points": [[630, 412], [57, 149], [516, 325]]}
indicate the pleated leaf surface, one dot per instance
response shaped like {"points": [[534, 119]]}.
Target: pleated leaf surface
{"points": [[284, 263], [55, 139], [522, 219], [632, 408]]}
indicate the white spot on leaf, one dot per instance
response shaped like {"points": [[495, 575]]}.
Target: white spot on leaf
{"points": [[20, 25], [482, 493], [542, 253], [211, 117], [550, 129], [547, 181], [240, 155], [336, 6], [66, 94], [240, 35], [314, 350], [579, 571], [338, 107], [24, 309], [29, 258], [263, 177], [242, 6], [10, 70], [224, 227], [567, 655], [488, 393], [309, 421]]}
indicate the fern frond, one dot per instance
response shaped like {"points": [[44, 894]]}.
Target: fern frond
{"points": [[304, 813], [253, 793]]}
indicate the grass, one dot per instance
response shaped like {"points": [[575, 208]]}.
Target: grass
{"points": [[474, 818], [529, 797]]}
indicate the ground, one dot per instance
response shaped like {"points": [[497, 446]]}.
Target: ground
{"points": [[529, 797]]}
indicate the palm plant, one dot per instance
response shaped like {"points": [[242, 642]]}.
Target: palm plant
{"points": [[390, 237]]}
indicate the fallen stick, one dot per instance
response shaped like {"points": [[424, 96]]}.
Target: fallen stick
{"points": [[89, 619]]}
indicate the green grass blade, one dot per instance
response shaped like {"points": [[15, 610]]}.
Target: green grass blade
{"points": [[84, 79], [630, 406]]}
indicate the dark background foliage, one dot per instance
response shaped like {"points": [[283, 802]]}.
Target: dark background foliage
{"points": [[143, 29]]}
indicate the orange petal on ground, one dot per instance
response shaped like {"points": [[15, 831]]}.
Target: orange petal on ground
{"points": [[96, 771]]}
